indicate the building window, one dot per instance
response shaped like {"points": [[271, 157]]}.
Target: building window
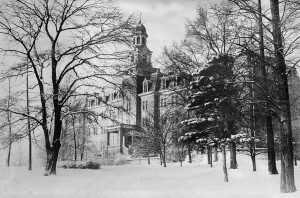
{"points": [[143, 105], [163, 83], [161, 102], [145, 85], [138, 40], [133, 40], [144, 58], [143, 41], [98, 100], [145, 121], [95, 131], [92, 102], [176, 81], [128, 106], [146, 105], [113, 139]]}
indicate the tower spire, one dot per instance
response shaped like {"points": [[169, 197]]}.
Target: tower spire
{"points": [[140, 17]]}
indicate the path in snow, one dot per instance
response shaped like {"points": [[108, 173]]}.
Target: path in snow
{"points": [[144, 181]]}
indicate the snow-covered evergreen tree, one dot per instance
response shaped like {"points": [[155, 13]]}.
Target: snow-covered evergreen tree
{"points": [[213, 103], [213, 100]]}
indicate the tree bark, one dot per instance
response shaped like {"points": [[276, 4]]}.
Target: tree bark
{"points": [[83, 135], [271, 147], [28, 121], [52, 155], [233, 162], [215, 153], [9, 125], [224, 164], [270, 133], [164, 156], [189, 153], [160, 158], [74, 138], [253, 159], [287, 181], [208, 155]]}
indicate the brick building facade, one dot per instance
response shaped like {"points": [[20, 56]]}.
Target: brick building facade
{"points": [[152, 92]]}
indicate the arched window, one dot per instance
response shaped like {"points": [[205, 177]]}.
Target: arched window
{"points": [[163, 83], [145, 85], [143, 40], [138, 40]]}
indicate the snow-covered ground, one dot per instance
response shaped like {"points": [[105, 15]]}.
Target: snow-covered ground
{"points": [[144, 181]]}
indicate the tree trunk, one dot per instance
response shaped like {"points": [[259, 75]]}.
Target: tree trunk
{"points": [[52, 155], [189, 153], [83, 136], [211, 161], [160, 158], [29, 147], [270, 133], [28, 122], [233, 162], [164, 157], [63, 139], [74, 138], [8, 155], [208, 155], [215, 153], [9, 125], [224, 163], [287, 181], [271, 147], [253, 159]]}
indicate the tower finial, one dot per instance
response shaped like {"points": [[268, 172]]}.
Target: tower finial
{"points": [[140, 17]]}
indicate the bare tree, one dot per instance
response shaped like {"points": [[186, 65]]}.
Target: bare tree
{"points": [[79, 40], [160, 133], [9, 123], [287, 182]]}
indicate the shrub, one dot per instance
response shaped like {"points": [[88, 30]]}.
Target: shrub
{"points": [[79, 165], [117, 159]]}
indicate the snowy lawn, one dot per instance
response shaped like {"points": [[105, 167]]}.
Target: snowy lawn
{"points": [[144, 181]]}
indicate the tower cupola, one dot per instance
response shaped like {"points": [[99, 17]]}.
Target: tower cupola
{"points": [[139, 35]]}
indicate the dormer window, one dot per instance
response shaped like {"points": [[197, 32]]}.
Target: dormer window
{"points": [[163, 83], [176, 81], [145, 85], [144, 58]]}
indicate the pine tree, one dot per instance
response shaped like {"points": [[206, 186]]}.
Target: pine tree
{"points": [[213, 103]]}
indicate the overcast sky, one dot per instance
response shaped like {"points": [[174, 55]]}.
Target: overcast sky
{"points": [[163, 19]]}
